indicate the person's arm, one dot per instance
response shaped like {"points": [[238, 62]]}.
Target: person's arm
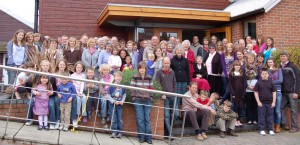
{"points": [[110, 60], [231, 87], [280, 78], [9, 49], [274, 99], [191, 57], [257, 99], [297, 79], [145, 55], [119, 62], [133, 83], [100, 59], [123, 97], [109, 98], [83, 59]]}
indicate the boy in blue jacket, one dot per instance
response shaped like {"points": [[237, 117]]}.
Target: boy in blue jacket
{"points": [[66, 92]]}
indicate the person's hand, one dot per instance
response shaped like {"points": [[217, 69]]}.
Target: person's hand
{"points": [[121, 103], [38, 94], [49, 93], [251, 87], [199, 76], [213, 111], [259, 104], [295, 95], [163, 97], [116, 102], [70, 99], [59, 95], [273, 105]]}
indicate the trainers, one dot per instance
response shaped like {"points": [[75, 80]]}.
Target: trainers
{"points": [[29, 123], [52, 126], [119, 136], [56, 126], [40, 127], [113, 135], [271, 132], [65, 128], [84, 119], [199, 137], [103, 121], [75, 123], [263, 133]]}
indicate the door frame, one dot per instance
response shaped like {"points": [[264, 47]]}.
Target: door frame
{"points": [[226, 29], [175, 30]]}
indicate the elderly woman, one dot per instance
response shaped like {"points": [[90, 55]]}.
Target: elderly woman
{"points": [[101, 44], [180, 66], [90, 56], [189, 55], [214, 69], [104, 54]]}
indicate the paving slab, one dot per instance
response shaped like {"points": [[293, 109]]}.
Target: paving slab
{"points": [[104, 139], [76, 138], [135, 141], [30, 133], [12, 129]]}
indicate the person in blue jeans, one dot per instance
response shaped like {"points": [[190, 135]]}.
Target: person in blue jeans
{"points": [[275, 74], [143, 102], [116, 97], [166, 78]]}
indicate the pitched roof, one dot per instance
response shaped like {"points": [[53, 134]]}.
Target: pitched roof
{"points": [[241, 7], [17, 17]]}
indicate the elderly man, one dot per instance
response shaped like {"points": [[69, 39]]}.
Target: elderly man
{"points": [[190, 105], [154, 45], [214, 39], [114, 40], [166, 77]]}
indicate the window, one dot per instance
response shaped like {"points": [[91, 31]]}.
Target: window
{"points": [[145, 33], [250, 28]]}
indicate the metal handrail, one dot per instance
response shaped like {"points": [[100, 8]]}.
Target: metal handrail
{"points": [[93, 81]]}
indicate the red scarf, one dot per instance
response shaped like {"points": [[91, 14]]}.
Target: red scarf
{"points": [[167, 71]]}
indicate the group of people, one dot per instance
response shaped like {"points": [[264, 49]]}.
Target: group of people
{"points": [[214, 73]]}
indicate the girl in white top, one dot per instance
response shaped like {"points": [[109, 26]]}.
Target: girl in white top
{"points": [[114, 61], [81, 98]]}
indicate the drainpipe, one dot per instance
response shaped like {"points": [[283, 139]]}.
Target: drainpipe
{"points": [[36, 16]]}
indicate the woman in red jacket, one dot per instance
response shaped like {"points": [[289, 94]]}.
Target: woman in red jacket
{"points": [[189, 54]]}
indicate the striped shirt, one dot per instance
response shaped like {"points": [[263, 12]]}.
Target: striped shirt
{"points": [[138, 81]]}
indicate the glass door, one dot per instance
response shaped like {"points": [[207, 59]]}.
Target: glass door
{"points": [[166, 33]]}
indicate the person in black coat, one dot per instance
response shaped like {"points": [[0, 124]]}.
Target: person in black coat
{"points": [[214, 69], [200, 75]]}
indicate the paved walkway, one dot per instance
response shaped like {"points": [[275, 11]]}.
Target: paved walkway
{"points": [[30, 135]]}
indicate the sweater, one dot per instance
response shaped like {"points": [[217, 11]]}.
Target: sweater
{"points": [[202, 52], [237, 86], [68, 88], [93, 90], [78, 84], [195, 48], [276, 77], [146, 83], [115, 60], [291, 79], [226, 115], [150, 68], [88, 59], [72, 57], [103, 57], [190, 104], [167, 80], [191, 59], [116, 94], [11, 54], [181, 68]]}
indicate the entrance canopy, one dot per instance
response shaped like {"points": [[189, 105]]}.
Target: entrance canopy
{"points": [[156, 16]]}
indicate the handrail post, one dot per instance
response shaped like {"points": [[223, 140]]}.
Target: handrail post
{"points": [[96, 113], [183, 124], [172, 122], [156, 120]]}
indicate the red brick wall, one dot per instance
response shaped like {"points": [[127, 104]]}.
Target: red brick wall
{"points": [[237, 30], [9, 25], [19, 109], [77, 17], [282, 23]]}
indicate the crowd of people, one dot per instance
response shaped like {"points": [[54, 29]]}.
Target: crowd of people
{"points": [[222, 78]]}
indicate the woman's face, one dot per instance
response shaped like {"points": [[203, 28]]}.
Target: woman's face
{"points": [[129, 47], [179, 52], [92, 44], [158, 53], [229, 48], [239, 55], [186, 46], [122, 54], [20, 36], [53, 44], [270, 63], [37, 38], [30, 39], [212, 50], [219, 47], [101, 43], [45, 67], [250, 59], [260, 59], [205, 42], [259, 40], [72, 43], [62, 66], [170, 47], [269, 42], [199, 60], [237, 68], [108, 48], [115, 52]]}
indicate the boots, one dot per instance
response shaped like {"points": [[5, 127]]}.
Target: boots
{"points": [[89, 114], [277, 128], [231, 133]]}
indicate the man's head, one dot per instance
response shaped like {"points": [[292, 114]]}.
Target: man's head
{"points": [[195, 40], [154, 41], [264, 73], [193, 87], [284, 56], [241, 43], [64, 39]]}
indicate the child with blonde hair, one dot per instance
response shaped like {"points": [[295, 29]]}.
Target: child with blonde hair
{"points": [[150, 64], [106, 77]]}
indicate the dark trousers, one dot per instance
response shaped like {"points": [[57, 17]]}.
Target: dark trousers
{"points": [[251, 107], [238, 108], [92, 102], [201, 116], [265, 117], [215, 83]]}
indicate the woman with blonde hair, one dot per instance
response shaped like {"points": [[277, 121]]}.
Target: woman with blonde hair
{"points": [[72, 54]]}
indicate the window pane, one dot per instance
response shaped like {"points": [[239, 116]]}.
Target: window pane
{"points": [[145, 33], [167, 35]]}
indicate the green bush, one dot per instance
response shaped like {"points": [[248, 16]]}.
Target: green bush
{"points": [[294, 53], [127, 75]]}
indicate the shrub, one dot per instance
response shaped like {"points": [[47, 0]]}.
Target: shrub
{"points": [[294, 54], [127, 75]]}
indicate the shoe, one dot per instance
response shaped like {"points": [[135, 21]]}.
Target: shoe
{"points": [[65, 128], [119, 136], [199, 137], [108, 118], [75, 123], [89, 114], [249, 123], [222, 134], [231, 133], [61, 127], [113, 135], [46, 128], [103, 121], [56, 126], [99, 114], [263, 133], [271, 132], [141, 140], [149, 141], [105, 126], [28, 123], [286, 127], [204, 135], [255, 122], [84, 119], [277, 128], [293, 130], [40, 127], [52, 126]]}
